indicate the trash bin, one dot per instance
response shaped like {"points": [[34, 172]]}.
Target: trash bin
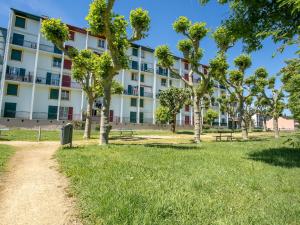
{"points": [[66, 134]]}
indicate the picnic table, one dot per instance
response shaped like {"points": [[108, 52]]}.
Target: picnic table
{"points": [[125, 132], [221, 135]]}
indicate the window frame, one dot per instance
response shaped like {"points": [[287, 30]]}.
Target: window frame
{"points": [[6, 92], [25, 21], [132, 100], [11, 52], [62, 95]]}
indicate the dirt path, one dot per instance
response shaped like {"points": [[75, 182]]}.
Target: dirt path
{"points": [[33, 191]]}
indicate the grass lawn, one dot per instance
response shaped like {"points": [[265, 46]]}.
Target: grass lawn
{"points": [[5, 153], [254, 182]]}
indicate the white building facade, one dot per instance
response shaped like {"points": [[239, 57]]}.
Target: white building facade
{"points": [[37, 84]]}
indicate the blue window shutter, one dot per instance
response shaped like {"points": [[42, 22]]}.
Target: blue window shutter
{"points": [[129, 89], [48, 78], [142, 91], [22, 72], [20, 22]]}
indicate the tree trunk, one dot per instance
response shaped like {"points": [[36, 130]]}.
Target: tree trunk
{"points": [[264, 124], [244, 130], [104, 119], [250, 126], [88, 120], [173, 124], [197, 119], [242, 121], [275, 127]]}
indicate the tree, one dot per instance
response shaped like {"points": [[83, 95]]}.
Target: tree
{"points": [[291, 81], [261, 105], [162, 115], [273, 97], [228, 103], [254, 21], [104, 22], [173, 100], [249, 113], [192, 53], [210, 116]]}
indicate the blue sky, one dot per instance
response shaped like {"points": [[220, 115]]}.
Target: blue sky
{"points": [[163, 13]]}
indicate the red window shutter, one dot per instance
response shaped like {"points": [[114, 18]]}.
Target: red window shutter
{"points": [[186, 77], [66, 81], [67, 64], [187, 120], [70, 113], [71, 35], [111, 116], [187, 108]]}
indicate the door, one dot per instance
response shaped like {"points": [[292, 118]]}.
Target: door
{"points": [[48, 79], [141, 117], [132, 117], [187, 120], [10, 109], [52, 112], [142, 91]]}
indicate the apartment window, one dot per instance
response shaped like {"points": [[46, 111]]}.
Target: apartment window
{"points": [[10, 109], [65, 95], [133, 102], [141, 117], [132, 117], [187, 108], [52, 112], [143, 54], [54, 94], [101, 43], [144, 67], [142, 78], [67, 64], [135, 52], [170, 82], [134, 76], [63, 113], [12, 89], [186, 66], [186, 120], [163, 82], [20, 22], [71, 35], [134, 65], [16, 55], [142, 91], [18, 39], [56, 62], [142, 103]]}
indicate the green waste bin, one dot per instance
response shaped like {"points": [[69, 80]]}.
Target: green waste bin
{"points": [[67, 134]]}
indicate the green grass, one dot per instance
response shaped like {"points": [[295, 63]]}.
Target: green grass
{"points": [[155, 184], [5, 153]]}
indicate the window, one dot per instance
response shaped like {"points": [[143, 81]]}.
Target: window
{"points": [[144, 67], [54, 94], [142, 91], [135, 52], [10, 109], [56, 62], [187, 108], [186, 120], [20, 22], [142, 103], [186, 66], [18, 39], [170, 82], [143, 54], [71, 35], [132, 117], [67, 64], [12, 89], [101, 43], [163, 82], [134, 76], [65, 95], [134, 65], [63, 113], [52, 112], [16, 55], [133, 102], [141, 117], [142, 78]]}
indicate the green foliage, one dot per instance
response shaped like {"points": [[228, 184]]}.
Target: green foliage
{"points": [[95, 17], [198, 31], [210, 115], [182, 24], [223, 38], [164, 56], [163, 115], [291, 81], [140, 22], [242, 62], [55, 31], [254, 21], [293, 141]]}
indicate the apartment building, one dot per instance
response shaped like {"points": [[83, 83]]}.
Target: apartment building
{"points": [[37, 83]]}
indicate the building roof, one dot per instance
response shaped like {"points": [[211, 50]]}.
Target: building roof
{"points": [[83, 30]]}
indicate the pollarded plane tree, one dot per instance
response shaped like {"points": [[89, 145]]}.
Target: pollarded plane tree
{"points": [[104, 22], [192, 53], [272, 97], [228, 104], [261, 107]]}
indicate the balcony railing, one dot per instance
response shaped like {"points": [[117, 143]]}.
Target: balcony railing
{"points": [[24, 43], [148, 94], [133, 93], [15, 77], [48, 48], [43, 80]]}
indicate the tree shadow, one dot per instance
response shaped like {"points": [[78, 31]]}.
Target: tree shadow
{"points": [[284, 157], [189, 132], [172, 146]]}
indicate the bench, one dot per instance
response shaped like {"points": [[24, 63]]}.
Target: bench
{"points": [[226, 136], [125, 132]]}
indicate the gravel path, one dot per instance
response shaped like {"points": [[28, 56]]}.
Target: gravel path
{"points": [[33, 191]]}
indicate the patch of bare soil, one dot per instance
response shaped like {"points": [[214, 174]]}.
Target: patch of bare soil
{"points": [[33, 192]]}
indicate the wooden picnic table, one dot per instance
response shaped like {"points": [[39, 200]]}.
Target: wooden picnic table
{"points": [[226, 136], [126, 132]]}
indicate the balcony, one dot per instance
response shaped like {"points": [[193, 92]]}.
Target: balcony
{"points": [[52, 49], [24, 43], [133, 65], [147, 67], [148, 95], [162, 71], [20, 78], [47, 81]]}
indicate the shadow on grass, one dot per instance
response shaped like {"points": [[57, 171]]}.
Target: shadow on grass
{"points": [[189, 132], [124, 138], [284, 157], [171, 146]]}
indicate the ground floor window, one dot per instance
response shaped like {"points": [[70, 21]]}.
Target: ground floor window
{"points": [[141, 117], [133, 117], [52, 112], [10, 109], [187, 120]]}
